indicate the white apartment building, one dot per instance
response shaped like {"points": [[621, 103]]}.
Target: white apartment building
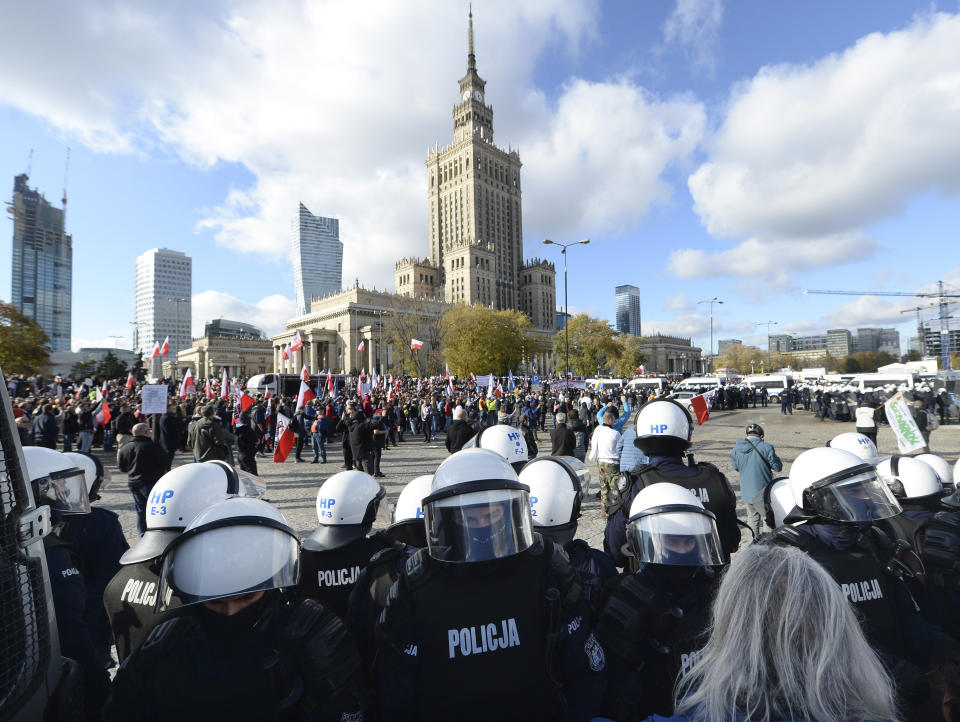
{"points": [[163, 298]]}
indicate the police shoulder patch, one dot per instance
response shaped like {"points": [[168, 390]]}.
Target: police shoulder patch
{"points": [[596, 659]]}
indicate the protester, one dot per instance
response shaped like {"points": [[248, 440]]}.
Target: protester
{"points": [[144, 463], [756, 460]]}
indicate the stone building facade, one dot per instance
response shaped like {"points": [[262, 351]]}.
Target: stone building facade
{"points": [[209, 356], [671, 355]]}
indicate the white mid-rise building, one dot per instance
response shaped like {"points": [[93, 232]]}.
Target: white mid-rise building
{"points": [[317, 257], [164, 287]]}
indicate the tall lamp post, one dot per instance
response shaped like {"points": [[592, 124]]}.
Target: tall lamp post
{"points": [[768, 324], [711, 302], [566, 307]]}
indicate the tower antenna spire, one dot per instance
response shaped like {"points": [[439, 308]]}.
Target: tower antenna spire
{"points": [[471, 60]]}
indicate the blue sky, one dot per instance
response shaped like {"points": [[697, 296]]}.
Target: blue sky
{"points": [[746, 151]]}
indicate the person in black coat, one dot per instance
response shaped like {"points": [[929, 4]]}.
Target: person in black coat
{"points": [[562, 440], [171, 433], [460, 431], [361, 441], [144, 463], [247, 441]]}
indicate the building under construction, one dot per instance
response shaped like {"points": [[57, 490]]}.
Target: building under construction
{"points": [[42, 263]]}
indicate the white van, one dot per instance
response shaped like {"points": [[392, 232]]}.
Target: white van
{"points": [[870, 382], [698, 384], [654, 383], [775, 384]]}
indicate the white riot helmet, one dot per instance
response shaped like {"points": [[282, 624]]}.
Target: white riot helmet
{"points": [[837, 485], [909, 478], [407, 523], [95, 476], [477, 509], [582, 470], [942, 468], [664, 428], [555, 497], [856, 444], [505, 440], [668, 525], [176, 498], [57, 481], [237, 546], [781, 501], [347, 505]]}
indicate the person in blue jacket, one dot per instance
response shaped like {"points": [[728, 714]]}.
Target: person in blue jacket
{"points": [[622, 418], [756, 460]]}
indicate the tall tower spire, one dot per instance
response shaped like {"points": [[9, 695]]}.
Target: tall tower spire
{"points": [[471, 60]]}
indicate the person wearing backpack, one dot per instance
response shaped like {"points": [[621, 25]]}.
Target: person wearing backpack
{"points": [[756, 460], [210, 440]]}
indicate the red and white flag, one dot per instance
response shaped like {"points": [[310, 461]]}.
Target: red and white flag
{"points": [[490, 386], [699, 405], [284, 439], [330, 383], [363, 345], [306, 394], [186, 386], [297, 342], [446, 371], [131, 382], [208, 390], [156, 350], [286, 353], [103, 414], [225, 386], [416, 343], [165, 347], [472, 377], [305, 374]]}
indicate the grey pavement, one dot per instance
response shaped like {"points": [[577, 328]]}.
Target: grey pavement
{"points": [[293, 487]]}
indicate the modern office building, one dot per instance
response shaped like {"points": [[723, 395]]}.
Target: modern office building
{"points": [[724, 343], [878, 339], [780, 342], [163, 298], [42, 278], [931, 337], [317, 257], [562, 320], [839, 342], [222, 328], [628, 310]]}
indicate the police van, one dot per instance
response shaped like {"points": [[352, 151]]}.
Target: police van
{"points": [[775, 384], [699, 384], [648, 383], [872, 382]]}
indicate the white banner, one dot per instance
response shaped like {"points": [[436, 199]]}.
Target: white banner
{"points": [[901, 421]]}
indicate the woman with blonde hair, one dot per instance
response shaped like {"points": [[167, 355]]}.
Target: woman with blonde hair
{"points": [[784, 645]]}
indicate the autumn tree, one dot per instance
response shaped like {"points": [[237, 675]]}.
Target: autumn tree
{"points": [[409, 319], [479, 339], [593, 343], [629, 355], [24, 346], [745, 359]]}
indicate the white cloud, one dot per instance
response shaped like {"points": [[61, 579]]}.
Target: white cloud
{"points": [[677, 303], [686, 325], [820, 151], [694, 25], [776, 258], [267, 314]]}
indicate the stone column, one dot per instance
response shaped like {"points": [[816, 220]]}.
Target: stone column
{"points": [[313, 357]]}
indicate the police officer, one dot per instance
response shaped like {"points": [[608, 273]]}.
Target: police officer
{"points": [[555, 497], [857, 444], [178, 496], [652, 620], [339, 548], [506, 441], [942, 468], [839, 497], [97, 541], [487, 622], [933, 531], [664, 430], [237, 650], [57, 482]]}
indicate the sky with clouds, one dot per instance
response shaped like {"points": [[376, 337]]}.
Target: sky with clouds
{"points": [[743, 151]]}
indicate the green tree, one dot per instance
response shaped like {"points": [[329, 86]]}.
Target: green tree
{"points": [[139, 371], [479, 339], [409, 319], [24, 347], [83, 369], [593, 343], [111, 367], [911, 355], [629, 356]]}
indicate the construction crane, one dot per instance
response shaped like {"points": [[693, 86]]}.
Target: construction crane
{"points": [[919, 310], [944, 315]]}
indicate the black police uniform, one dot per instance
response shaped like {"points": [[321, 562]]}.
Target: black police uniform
{"points": [[329, 575], [706, 482], [503, 639], [594, 569], [98, 543], [129, 600], [270, 661], [652, 629]]}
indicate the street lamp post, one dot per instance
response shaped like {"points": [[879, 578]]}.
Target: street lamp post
{"points": [[566, 307], [768, 324], [711, 302]]}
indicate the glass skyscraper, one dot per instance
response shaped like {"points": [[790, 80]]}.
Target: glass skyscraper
{"points": [[628, 310], [42, 263], [317, 257]]}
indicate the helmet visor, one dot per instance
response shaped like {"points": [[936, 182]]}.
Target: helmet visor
{"points": [[250, 484], [479, 526], [65, 491], [677, 538], [232, 556], [862, 497]]}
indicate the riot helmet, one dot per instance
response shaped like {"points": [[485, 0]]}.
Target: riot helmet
{"points": [[503, 439], [910, 479], [347, 505], [237, 546], [942, 468], [664, 428], [555, 497], [582, 471], [857, 444], [838, 486], [477, 509], [669, 526], [176, 498], [57, 481], [94, 474], [781, 501], [407, 523]]}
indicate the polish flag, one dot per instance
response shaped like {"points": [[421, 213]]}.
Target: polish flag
{"points": [[186, 386], [286, 353], [246, 401], [305, 375], [472, 377], [363, 345], [225, 386], [156, 350], [446, 371], [297, 342], [284, 439], [306, 394], [699, 405], [416, 343], [165, 346], [330, 383], [103, 415], [208, 391], [642, 369], [131, 382]]}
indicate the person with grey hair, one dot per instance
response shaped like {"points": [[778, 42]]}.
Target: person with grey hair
{"points": [[460, 431], [562, 440], [799, 650], [144, 463]]}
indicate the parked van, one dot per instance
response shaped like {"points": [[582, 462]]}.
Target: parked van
{"points": [[698, 384], [647, 383], [289, 384], [775, 384], [870, 382]]}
